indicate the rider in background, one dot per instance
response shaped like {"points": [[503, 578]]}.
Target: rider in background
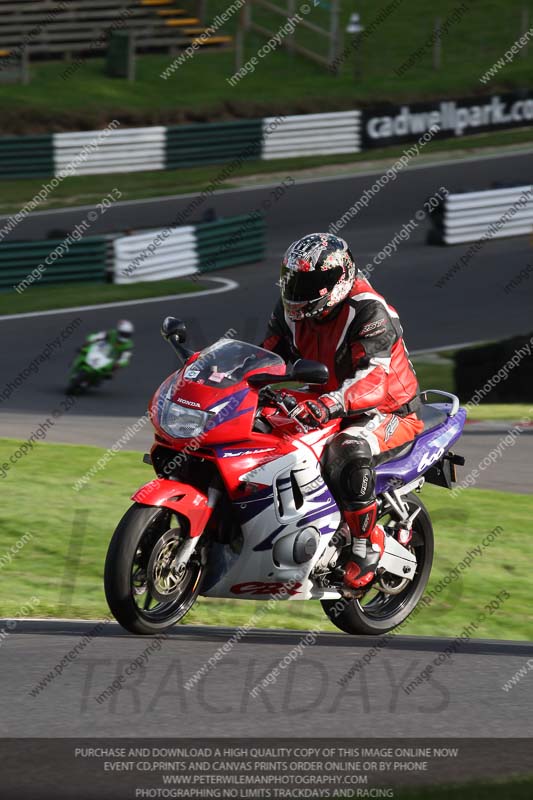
{"points": [[329, 312], [120, 339]]}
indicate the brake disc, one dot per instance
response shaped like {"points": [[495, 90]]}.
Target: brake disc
{"points": [[166, 574]]}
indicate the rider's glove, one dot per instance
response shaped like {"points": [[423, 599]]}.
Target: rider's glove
{"points": [[316, 413]]}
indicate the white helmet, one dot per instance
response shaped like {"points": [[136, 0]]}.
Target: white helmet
{"points": [[125, 329]]}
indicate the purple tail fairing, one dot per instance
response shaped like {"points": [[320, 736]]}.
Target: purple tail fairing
{"points": [[427, 449]]}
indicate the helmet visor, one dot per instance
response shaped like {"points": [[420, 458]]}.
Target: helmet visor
{"points": [[304, 287]]}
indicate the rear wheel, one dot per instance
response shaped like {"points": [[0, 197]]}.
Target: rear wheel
{"points": [[148, 588], [378, 611]]}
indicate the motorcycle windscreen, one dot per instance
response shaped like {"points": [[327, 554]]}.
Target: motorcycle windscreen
{"points": [[228, 361]]}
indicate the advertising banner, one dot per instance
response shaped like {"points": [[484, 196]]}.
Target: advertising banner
{"points": [[388, 124]]}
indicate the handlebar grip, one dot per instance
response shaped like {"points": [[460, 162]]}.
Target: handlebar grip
{"points": [[289, 402]]}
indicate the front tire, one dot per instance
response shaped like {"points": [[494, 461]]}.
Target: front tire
{"points": [[77, 384], [146, 591], [375, 614]]}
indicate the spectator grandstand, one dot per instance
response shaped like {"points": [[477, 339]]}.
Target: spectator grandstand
{"points": [[51, 29]]}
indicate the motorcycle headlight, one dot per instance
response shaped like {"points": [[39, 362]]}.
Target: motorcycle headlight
{"points": [[182, 422]]}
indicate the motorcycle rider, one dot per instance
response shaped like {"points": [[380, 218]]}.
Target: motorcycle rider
{"points": [[329, 312], [120, 339]]}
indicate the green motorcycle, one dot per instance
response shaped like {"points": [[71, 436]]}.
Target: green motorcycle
{"points": [[99, 357], [93, 364]]}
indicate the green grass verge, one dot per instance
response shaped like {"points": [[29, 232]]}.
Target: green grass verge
{"points": [[88, 189], [199, 88], [39, 499], [44, 298], [517, 789], [513, 412]]}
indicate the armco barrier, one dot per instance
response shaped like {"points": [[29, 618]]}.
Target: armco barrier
{"points": [[155, 256], [26, 157], [213, 143], [158, 148], [178, 252], [96, 152], [148, 256], [312, 134], [496, 214], [228, 242], [85, 260]]}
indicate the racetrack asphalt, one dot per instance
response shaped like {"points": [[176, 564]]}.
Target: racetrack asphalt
{"points": [[463, 696]]}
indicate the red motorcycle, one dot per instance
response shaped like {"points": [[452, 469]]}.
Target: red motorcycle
{"points": [[239, 507]]}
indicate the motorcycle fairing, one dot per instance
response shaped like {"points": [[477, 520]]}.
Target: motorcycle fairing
{"points": [[98, 356], [229, 401], [269, 514], [180, 497], [291, 498], [231, 409], [428, 448]]}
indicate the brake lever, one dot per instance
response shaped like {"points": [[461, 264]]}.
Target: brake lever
{"points": [[303, 427]]}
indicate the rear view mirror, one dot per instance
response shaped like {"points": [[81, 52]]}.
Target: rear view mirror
{"points": [[303, 371], [175, 328], [309, 371]]}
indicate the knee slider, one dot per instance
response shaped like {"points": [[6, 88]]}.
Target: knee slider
{"points": [[349, 469], [357, 485]]}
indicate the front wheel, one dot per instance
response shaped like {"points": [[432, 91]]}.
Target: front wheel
{"points": [[377, 611], [77, 384], [148, 588]]}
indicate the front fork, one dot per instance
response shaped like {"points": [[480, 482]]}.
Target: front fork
{"points": [[213, 496]]}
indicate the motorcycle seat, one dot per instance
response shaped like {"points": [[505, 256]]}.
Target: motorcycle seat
{"points": [[432, 417]]}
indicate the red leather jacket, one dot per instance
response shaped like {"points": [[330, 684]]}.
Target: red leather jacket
{"points": [[362, 345]]}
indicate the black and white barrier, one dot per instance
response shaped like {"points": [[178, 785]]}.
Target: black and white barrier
{"points": [[187, 250], [496, 213], [312, 135]]}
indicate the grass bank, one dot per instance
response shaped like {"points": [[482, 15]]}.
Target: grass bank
{"points": [[518, 789], [471, 43], [44, 298]]}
